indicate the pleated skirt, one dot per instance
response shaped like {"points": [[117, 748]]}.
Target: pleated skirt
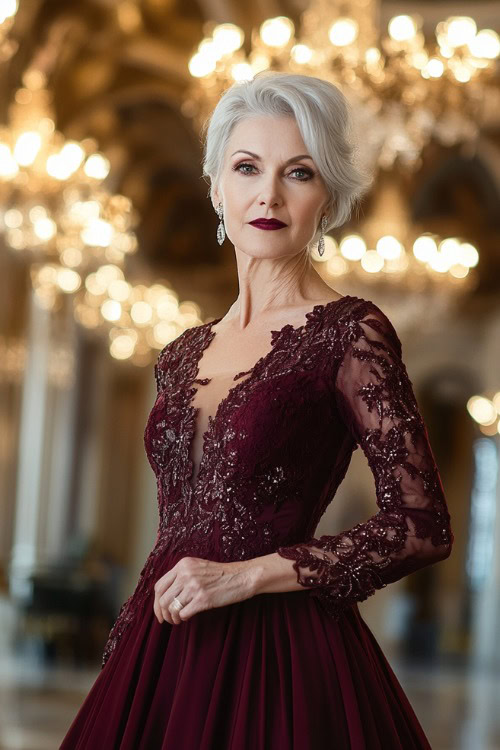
{"points": [[273, 672]]}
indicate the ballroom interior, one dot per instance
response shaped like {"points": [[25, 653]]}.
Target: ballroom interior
{"points": [[109, 251]]}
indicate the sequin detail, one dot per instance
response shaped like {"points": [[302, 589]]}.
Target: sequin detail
{"points": [[276, 449]]}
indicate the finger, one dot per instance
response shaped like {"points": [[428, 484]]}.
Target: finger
{"points": [[161, 587], [163, 584], [170, 607], [157, 610], [191, 608], [186, 612], [174, 613], [163, 605], [162, 614], [169, 577]]}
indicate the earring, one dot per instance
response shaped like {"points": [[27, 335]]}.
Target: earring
{"points": [[321, 242], [221, 232]]}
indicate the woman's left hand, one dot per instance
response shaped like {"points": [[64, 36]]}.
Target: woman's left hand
{"points": [[201, 584]]}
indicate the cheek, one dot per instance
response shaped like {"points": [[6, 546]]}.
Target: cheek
{"points": [[304, 213]]}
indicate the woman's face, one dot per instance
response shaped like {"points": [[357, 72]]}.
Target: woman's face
{"points": [[271, 182]]}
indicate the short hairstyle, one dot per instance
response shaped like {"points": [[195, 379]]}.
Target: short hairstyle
{"points": [[323, 116]]}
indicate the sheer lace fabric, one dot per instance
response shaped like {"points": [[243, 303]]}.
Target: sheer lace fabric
{"points": [[376, 402], [211, 392]]}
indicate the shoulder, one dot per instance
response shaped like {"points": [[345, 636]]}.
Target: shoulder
{"points": [[176, 350], [177, 345], [361, 319], [359, 323], [168, 351], [168, 356]]}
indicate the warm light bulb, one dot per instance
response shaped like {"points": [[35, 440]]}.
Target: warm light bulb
{"points": [[68, 280], [402, 28], [460, 30], [301, 53], [97, 166], [8, 165], [482, 410], [200, 66], [242, 72], [122, 347], [389, 247], [276, 32], [227, 38], [8, 8], [372, 262], [343, 32], [98, 233], [352, 247], [111, 310], [485, 44], [141, 312], [27, 147], [424, 248]]}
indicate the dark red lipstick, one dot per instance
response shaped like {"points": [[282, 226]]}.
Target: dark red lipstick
{"points": [[267, 224]]}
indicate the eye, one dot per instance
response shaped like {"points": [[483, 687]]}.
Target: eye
{"points": [[243, 164], [307, 172]]}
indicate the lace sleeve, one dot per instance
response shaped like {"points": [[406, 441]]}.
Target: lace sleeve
{"points": [[375, 400]]}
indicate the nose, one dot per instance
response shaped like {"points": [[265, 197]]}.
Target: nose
{"points": [[270, 193]]}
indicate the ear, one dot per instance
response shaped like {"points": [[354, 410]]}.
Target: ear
{"points": [[215, 198], [328, 206]]}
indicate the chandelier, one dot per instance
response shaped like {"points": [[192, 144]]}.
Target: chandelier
{"points": [[404, 90], [58, 212]]}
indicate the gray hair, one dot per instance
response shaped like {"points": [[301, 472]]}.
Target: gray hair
{"points": [[323, 116]]}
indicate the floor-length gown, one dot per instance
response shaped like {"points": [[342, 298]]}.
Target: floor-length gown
{"points": [[289, 670]]}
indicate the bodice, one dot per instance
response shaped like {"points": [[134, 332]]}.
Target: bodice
{"points": [[271, 441], [251, 468]]}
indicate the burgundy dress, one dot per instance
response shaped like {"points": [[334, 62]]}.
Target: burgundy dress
{"points": [[289, 670]]}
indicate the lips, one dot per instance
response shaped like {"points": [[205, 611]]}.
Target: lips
{"points": [[268, 224]]}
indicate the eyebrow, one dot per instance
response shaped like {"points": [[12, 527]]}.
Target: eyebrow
{"points": [[289, 161]]}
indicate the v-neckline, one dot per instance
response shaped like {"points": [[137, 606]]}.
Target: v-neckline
{"points": [[210, 334]]}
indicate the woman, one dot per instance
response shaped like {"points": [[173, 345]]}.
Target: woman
{"points": [[243, 631]]}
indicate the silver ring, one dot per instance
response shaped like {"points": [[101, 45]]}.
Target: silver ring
{"points": [[177, 603]]}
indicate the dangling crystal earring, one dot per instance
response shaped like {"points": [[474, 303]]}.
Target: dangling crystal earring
{"points": [[321, 242], [221, 232]]}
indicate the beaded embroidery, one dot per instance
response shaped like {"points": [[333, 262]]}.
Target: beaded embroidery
{"points": [[276, 449]]}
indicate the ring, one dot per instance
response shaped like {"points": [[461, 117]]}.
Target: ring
{"points": [[177, 603]]}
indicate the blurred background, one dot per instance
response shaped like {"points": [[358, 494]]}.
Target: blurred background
{"points": [[108, 251]]}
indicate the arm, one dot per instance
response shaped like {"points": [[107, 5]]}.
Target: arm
{"points": [[412, 529]]}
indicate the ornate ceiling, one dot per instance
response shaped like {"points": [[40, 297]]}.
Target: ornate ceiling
{"points": [[118, 73]]}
